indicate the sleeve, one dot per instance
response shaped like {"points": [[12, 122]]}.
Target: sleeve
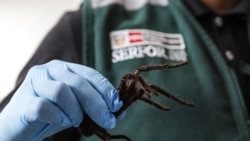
{"points": [[63, 42]]}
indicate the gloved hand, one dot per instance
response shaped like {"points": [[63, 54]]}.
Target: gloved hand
{"points": [[53, 97]]}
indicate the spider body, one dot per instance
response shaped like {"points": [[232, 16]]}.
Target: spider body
{"points": [[133, 87]]}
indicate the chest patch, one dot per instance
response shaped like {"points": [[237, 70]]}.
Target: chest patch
{"points": [[139, 43]]}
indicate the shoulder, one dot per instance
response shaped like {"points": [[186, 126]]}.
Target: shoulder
{"points": [[72, 17], [69, 21]]}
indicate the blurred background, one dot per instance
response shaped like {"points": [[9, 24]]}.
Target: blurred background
{"points": [[23, 24]]}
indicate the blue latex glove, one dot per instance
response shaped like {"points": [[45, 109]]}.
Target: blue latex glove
{"points": [[53, 97]]}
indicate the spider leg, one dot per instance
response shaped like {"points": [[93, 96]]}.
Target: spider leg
{"points": [[149, 91], [129, 83], [127, 86], [120, 137], [167, 94], [158, 66], [104, 137], [157, 105]]}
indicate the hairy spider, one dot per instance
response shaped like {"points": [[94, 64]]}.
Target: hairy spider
{"points": [[133, 87]]}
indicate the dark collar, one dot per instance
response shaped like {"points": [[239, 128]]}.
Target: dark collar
{"points": [[199, 9]]}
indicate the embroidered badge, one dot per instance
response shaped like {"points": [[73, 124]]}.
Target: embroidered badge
{"points": [[138, 43]]}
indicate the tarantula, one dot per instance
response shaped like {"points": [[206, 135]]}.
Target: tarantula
{"points": [[133, 87]]}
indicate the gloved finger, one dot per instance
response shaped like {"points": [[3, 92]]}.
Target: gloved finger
{"points": [[56, 92], [48, 131], [97, 81], [101, 84], [44, 111], [91, 101], [62, 96]]}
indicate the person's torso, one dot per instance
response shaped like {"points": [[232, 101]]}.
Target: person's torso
{"points": [[121, 36]]}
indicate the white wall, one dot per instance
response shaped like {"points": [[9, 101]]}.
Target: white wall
{"points": [[23, 24]]}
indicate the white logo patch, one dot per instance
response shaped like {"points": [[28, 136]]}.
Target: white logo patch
{"points": [[138, 43]]}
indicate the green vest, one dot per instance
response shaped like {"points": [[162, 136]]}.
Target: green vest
{"points": [[119, 36]]}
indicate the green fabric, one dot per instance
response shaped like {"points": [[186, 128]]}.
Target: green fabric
{"points": [[219, 113]]}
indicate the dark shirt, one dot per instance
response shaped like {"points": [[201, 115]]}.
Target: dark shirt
{"points": [[230, 33]]}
